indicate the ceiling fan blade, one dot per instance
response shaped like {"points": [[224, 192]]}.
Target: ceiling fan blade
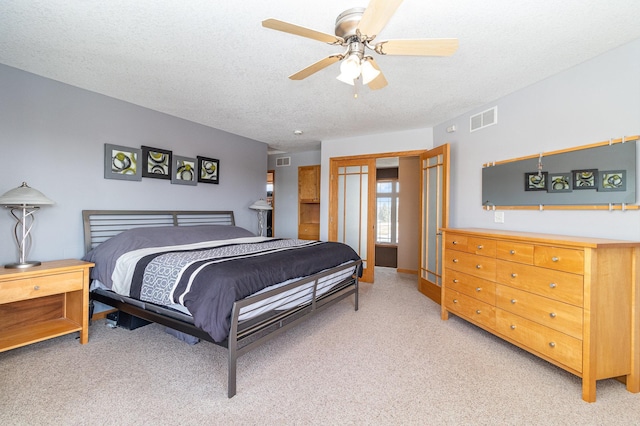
{"points": [[379, 82], [376, 16], [315, 67], [418, 47], [286, 27]]}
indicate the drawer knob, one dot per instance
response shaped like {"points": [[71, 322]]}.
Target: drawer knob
{"points": [[455, 243], [513, 327], [552, 314], [555, 259], [455, 300], [480, 247], [36, 287], [512, 252], [455, 280], [553, 285], [478, 289], [552, 344], [477, 311], [513, 301], [513, 275], [455, 260], [478, 266]]}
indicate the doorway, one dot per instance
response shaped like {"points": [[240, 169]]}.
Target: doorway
{"points": [[271, 178], [352, 210]]}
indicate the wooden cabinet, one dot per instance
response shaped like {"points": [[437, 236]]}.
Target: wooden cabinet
{"points": [[309, 202], [569, 300], [43, 302]]}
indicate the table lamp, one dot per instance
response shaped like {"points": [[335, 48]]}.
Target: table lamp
{"points": [[23, 201], [261, 207]]}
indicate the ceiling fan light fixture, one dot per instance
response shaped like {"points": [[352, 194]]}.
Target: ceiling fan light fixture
{"points": [[350, 67], [369, 73], [345, 79]]}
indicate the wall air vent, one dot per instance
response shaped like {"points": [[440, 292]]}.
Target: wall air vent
{"points": [[283, 161], [484, 119]]}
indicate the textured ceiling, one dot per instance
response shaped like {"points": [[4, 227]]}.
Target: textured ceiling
{"points": [[211, 61]]}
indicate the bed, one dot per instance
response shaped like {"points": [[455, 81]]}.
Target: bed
{"points": [[197, 273]]}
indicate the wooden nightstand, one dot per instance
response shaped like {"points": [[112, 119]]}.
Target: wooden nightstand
{"points": [[43, 302]]}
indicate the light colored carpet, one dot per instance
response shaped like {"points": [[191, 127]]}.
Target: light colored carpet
{"points": [[392, 362]]}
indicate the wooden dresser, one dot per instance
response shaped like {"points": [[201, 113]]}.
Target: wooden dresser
{"points": [[572, 301]]}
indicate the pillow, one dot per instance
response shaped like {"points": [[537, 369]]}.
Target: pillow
{"points": [[106, 254]]}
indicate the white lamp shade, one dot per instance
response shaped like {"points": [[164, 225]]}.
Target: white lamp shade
{"points": [[369, 73], [349, 69], [345, 79], [260, 205], [24, 195]]}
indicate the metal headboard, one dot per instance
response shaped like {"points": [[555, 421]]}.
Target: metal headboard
{"points": [[100, 225]]}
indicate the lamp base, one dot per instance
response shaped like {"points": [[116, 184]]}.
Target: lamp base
{"points": [[23, 265]]}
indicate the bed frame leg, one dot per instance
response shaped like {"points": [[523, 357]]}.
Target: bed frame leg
{"points": [[233, 362], [356, 295], [232, 345]]}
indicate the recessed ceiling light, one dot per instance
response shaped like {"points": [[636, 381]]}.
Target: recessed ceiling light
{"points": [[297, 132]]}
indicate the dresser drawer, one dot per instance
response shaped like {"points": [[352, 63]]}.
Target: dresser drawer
{"points": [[560, 259], [545, 282], [481, 246], [558, 346], [472, 264], [475, 245], [551, 313], [29, 288], [475, 287], [515, 252], [470, 308]]}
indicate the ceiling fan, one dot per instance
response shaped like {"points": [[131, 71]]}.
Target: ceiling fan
{"points": [[355, 29]]}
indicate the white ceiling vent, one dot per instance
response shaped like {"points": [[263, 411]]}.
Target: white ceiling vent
{"points": [[283, 161], [484, 119]]}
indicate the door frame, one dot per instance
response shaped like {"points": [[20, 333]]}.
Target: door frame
{"points": [[333, 198]]}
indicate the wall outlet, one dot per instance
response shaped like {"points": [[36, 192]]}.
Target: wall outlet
{"points": [[498, 217]]}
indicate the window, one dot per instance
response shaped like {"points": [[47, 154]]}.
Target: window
{"points": [[387, 211]]}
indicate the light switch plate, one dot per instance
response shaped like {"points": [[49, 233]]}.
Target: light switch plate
{"points": [[498, 217]]}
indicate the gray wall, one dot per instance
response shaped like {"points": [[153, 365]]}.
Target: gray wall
{"points": [[53, 138], [286, 191], [592, 102]]}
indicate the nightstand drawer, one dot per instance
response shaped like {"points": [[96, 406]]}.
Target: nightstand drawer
{"points": [[30, 288]]}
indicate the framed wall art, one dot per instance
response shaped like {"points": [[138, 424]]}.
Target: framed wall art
{"points": [[613, 180], [535, 181], [208, 170], [184, 171], [156, 163], [585, 179], [121, 162], [559, 182]]}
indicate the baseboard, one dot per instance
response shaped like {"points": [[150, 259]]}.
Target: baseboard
{"points": [[407, 271]]}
